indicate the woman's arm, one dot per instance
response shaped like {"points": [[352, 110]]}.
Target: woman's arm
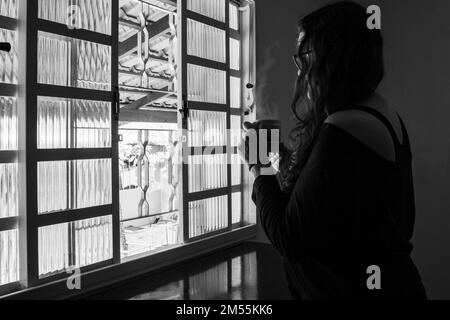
{"points": [[309, 220]]}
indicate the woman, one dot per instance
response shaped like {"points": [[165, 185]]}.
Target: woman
{"points": [[344, 200]]}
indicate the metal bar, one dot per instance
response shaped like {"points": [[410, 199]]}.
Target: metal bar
{"points": [[7, 224], [8, 23], [207, 150], [184, 190], [73, 215], [236, 112], [63, 30], [235, 73], [208, 194], [115, 134], [236, 188], [149, 216], [70, 92], [146, 116], [8, 90], [8, 156], [235, 34], [206, 63], [206, 106], [32, 258], [228, 62], [206, 20], [73, 154]]}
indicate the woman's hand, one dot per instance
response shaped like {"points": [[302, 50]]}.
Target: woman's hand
{"points": [[249, 146]]}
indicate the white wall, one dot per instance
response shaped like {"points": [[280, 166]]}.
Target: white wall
{"points": [[417, 84]]}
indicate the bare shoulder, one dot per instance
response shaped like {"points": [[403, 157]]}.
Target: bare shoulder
{"points": [[367, 129]]}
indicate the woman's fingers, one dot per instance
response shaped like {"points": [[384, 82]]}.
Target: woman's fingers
{"points": [[249, 125]]}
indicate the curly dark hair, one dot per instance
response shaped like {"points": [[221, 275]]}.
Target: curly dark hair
{"points": [[342, 65]]}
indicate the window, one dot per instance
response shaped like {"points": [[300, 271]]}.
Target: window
{"points": [[133, 113]]}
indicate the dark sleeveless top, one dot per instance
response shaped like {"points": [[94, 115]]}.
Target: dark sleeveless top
{"points": [[350, 209]]}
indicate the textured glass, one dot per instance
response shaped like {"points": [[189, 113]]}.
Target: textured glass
{"points": [[236, 130], [235, 92], [8, 190], [207, 128], [209, 215], [56, 65], [73, 123], [234, 17], [235, 54], [214, 9], [205, 41], [75, 244], [66, 185], [9, 61], [206, 84], [236, 169], [236, 200], [207, 172], [9, 256], [9, 8], [93, 15], [8, 123]]}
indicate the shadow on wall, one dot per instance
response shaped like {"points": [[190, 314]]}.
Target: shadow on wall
{"points": [[416, 85]]}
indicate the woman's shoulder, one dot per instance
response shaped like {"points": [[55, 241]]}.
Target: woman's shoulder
{"points": [[362, 127]]}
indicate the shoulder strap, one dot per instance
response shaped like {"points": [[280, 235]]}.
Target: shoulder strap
{"points": [[406, 142], [385, 121]]}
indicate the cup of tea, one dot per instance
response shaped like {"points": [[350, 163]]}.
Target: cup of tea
{"points": [[263, 138]]}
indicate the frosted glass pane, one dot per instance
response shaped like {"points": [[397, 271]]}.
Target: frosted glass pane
{"points": [[236, 200], [56, 62], [206, 84], [236, 170], [74, 244], [205, 41], [9, 61], [9, 256], [207, 128], [207, 172], [235, 92], [236, 130], [235, 54], [9, 8], [207, 216], [73, 123], [93, 15], [8, 190], [234, 17], [8, 123], [214, 9], [65, 185]]}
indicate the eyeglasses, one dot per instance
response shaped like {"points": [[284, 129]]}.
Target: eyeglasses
{"points": [[297, 61]]}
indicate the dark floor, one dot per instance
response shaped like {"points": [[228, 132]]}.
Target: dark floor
{"points": [[252, 271]]}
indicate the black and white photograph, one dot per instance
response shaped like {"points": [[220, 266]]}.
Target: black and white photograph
{"points": [[223, 158]]}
